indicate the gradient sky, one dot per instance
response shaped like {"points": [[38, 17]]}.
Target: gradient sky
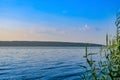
{"points": [[57, 20]]}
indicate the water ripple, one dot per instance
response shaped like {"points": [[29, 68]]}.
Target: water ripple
{"points": [[65, 76], [55, 67], [24, 63]]}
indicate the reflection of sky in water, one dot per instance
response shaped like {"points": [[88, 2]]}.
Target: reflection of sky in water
{"points": [[41, 62]]}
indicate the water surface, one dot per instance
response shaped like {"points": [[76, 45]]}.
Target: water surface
{"points": [[42, 63]]}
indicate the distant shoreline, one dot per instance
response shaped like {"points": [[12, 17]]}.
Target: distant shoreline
{"points": [[45, 44]]}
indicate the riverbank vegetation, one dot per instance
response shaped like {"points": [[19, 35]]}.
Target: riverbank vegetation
{"points": [[107, 66]]}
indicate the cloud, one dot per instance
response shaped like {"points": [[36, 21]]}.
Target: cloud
{"points": [[84, 28], [40, 32], [46, 30]]}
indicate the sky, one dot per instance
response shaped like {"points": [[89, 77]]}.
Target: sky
{"points": [[58, 20]]}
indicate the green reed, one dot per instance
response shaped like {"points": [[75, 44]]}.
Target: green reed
{"points": [[107, 67]]}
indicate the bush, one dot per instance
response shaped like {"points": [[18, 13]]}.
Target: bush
{"points": [[108, 65]]}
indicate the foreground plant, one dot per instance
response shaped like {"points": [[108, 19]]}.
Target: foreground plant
{"points": [[108, 65]]}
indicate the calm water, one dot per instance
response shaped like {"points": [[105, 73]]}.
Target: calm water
{"points": [[42, 63]]}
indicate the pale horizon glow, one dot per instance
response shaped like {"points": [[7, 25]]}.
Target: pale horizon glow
{"points": [[34, 21]]}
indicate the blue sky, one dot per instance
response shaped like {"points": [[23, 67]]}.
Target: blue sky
{"points": [[58, 20]]}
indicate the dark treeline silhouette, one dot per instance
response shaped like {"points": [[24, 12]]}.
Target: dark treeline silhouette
{"points": [[45, 43]]}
